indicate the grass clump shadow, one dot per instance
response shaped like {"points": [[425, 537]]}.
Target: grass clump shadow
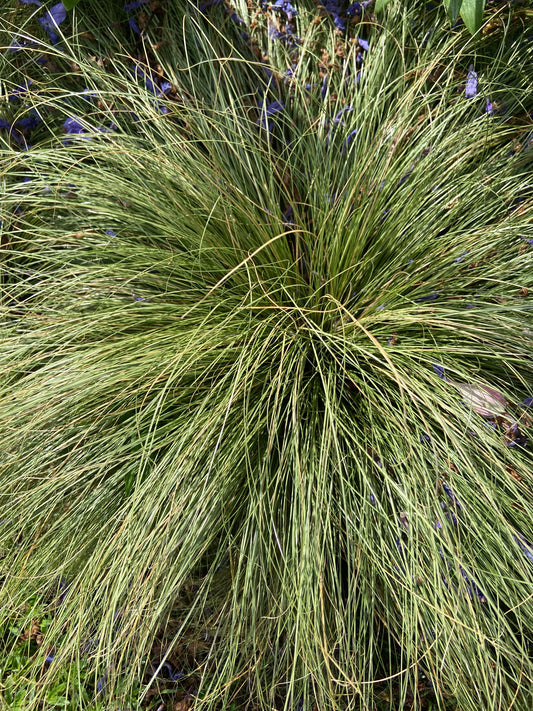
{"points": [[265, 374]]}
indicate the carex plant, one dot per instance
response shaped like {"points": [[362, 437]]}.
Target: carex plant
{"points": [[265, 366]]}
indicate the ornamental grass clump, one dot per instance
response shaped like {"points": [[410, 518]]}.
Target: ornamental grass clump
{"points": [[265, 376]]}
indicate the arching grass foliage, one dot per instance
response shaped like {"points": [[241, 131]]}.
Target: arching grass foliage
{"points": [[266, 361]]}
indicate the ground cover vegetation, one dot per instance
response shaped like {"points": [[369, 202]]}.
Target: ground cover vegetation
{"points": [[265, 374]]}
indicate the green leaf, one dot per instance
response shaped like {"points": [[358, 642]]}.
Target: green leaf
{"points": [[69, 4], [380, 4], [452, 8], [472, 14]]}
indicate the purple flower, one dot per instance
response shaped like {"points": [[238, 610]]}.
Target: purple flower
{"points": [[400, 547], [324, 89], [356, 8], [405, 177], [348, 140], [528, 402], [471, 83], [269, 110], [148, 81], [100, 684], [63, 590], [524, 546], [22, 89], [450, 516], [175, 675], [20, 130], [53, 18], [129, 6], [287, 217], [134, 26], [31, 2], [28, 123], [286, 36], [89, 95], [488, 108], [111, 233], [16, 45], [237, 19], [439, 370], [472, 586], [274, 108], [209, 3], [282, 6], [451, 496], [429, 297], [335, 9], [337, 118], [363, 44], [72, 125], [460, 259]]}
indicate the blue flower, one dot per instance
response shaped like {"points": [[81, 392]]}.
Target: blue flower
{"points": [[356, 8], [524, 546], [53, 18], [129, 6], [450, 516], [22, 89], [175, 675], [451, 496], [281, 6], [28, 123], [19, 131], [72, 125], [209, 3], [472, 586], [334, 8], [89, 95], [337, 118], [269, 110], [287, 217], [429, 297], [460, 258], [237, 19], [439, 370], [471, 83], [348, 140], [151, 86], [363, 44], [15, 46], [324, 89], [148, 82]]}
